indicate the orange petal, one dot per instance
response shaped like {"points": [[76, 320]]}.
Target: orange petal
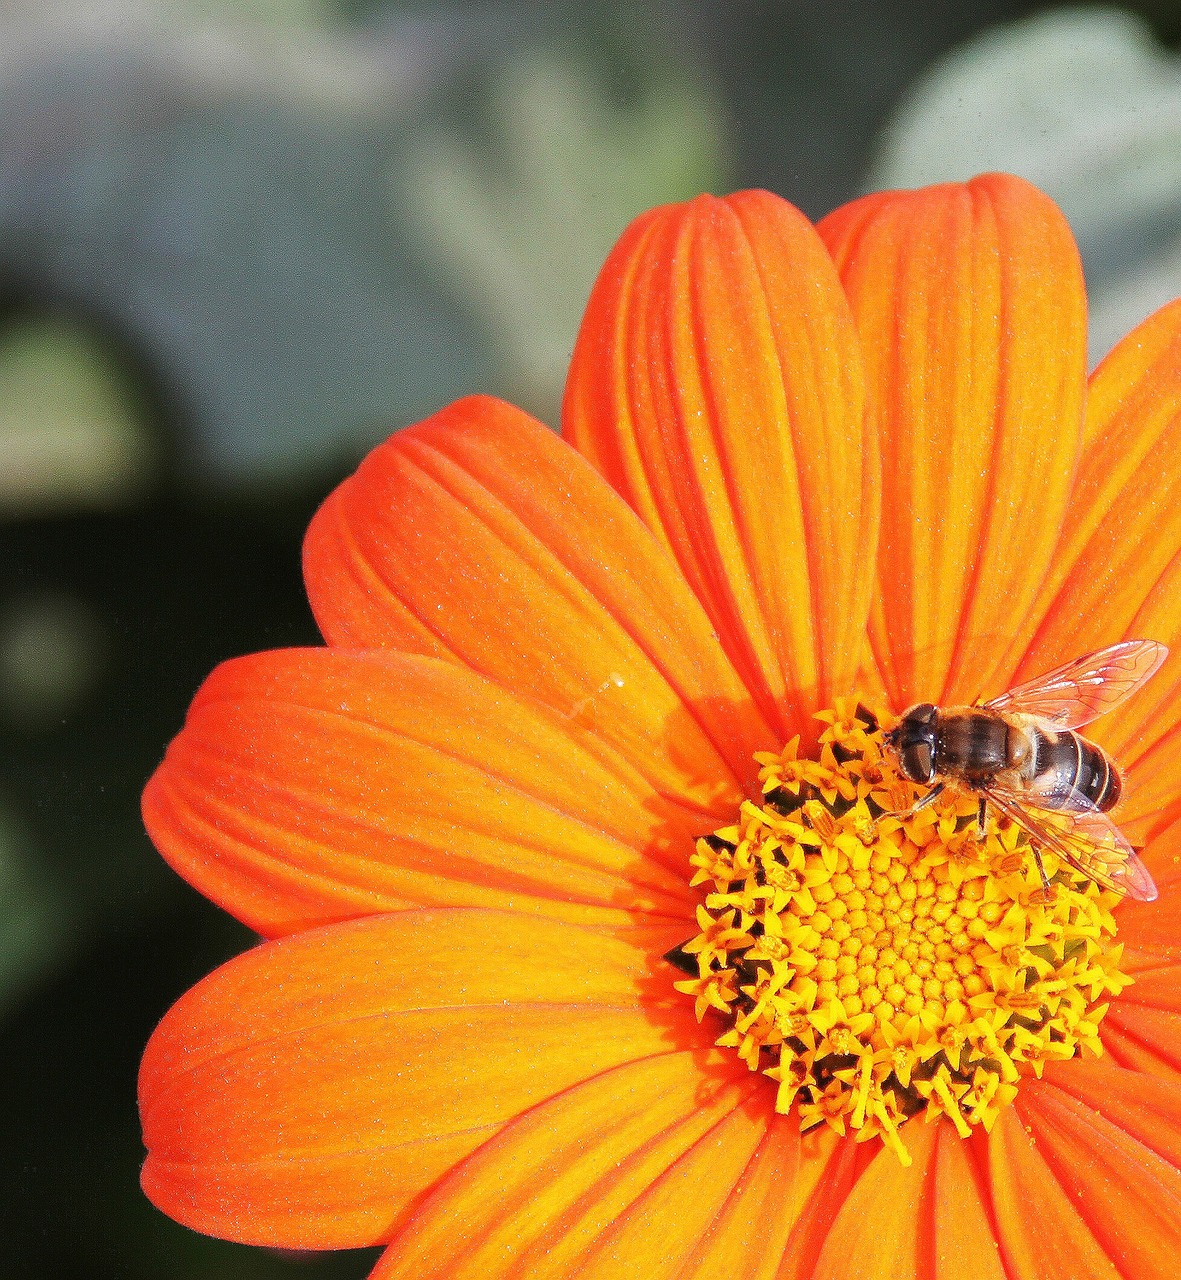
{"points": [[829, 1169], [915, 1223], [1117, 570], [658, 1235], [716, 383], [963, 1225], [1143, 1026], [481, 537], [1111, 1141], [1145, 737], [969, 300], [1152, 787], [305, 1092], [316, 785], [1155, 927], [1042, 1235], [535, 1198], [1148, 1111], [877, 1232], [1123, 1049], [749, 1237]]}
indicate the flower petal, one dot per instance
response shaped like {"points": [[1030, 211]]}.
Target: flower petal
{"points": [[749, 1236], [657, 1236], [1142, 1028], [533, 1199], [969, 300], [1111, 1140], [479, 536], [829, 1169], [1148, 1111], [316, 785], [1152, 786], [915, 1223], [1126, 1050], [963, 1225], [1040, 1231], [1154, 928], [305, 1092], [716, 383], [1117, 570]]}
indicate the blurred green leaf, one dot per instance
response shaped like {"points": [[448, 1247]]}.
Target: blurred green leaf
{"points": [[1085, 104], [524, 224], [72, 426], [52, 649]]}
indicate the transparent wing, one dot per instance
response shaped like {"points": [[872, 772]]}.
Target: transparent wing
{"points": [[1085, 837], [1078, 692]]}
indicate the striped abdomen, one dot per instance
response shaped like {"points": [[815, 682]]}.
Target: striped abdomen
{"points": [[1067, 767]]}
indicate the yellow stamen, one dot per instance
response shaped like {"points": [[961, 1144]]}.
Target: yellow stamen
{"points": [[878, 965]]}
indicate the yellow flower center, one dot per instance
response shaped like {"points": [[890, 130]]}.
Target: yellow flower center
{"points": [[879, 963]]}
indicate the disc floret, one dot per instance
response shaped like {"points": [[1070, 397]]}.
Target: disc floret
{"points": [[878, 963]]}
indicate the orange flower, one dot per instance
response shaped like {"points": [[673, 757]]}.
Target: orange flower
{"points": [[808, 466]]}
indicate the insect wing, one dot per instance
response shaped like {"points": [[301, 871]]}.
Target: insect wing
{"points": [[1078, 692], [1087, 839]]}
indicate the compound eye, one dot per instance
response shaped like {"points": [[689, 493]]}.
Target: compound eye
{"points": [[921, 713], [919, 762]]}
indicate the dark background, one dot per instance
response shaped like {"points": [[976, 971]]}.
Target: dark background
{"points": [[213, 298]]}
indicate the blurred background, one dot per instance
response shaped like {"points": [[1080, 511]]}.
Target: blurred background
{"points": [[242, 242]]}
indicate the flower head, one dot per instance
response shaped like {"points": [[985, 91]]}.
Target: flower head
{"points": [[883, 966], [604, 937]]}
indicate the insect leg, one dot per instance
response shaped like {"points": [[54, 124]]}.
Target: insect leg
{"points": [[981, 814], [930, 798], [1041, 870]]}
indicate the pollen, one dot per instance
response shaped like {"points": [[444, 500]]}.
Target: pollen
{"points": [[879, 963]]}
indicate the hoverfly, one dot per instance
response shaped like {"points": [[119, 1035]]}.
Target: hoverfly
{"points": [[1021, 754]]}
